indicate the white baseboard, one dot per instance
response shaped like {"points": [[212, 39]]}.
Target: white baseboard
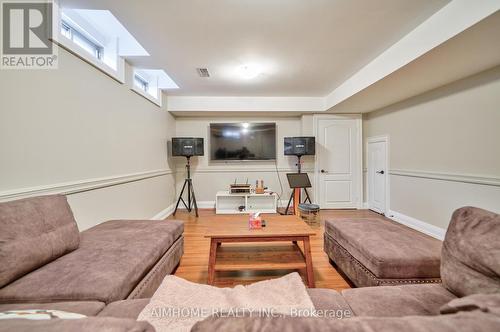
{"points": [[364, 206], [419, 225], [201, 205], [206, 205], [211, 205], [163, 214]]}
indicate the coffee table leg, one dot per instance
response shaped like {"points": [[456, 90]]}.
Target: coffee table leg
{"points": [[309, 267], [211, 261]]}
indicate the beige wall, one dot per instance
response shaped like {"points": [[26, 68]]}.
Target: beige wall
{"points": [[75, 124], [210, 177], [308, 125], [450, 132]]}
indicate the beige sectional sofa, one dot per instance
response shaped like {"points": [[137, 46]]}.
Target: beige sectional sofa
{"points": [[468, 299], [45, 259]]}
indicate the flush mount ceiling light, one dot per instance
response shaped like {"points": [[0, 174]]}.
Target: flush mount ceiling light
{"points": [[249, 71]]}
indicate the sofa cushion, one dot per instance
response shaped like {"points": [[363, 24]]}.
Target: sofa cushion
{"points": [[87, 308], [90, 324], [329, 299], [111, 260], [471, 252], [323, 299], [482, 302], [125, 308], [397, 301], [461, 322], [33, 232], [164, 266], [389, 250]]}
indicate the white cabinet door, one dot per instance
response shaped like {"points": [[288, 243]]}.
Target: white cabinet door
{"points": [[376, 151], [338, 163]]}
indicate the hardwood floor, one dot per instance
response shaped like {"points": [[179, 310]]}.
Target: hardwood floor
{"points": [[194, 262]]}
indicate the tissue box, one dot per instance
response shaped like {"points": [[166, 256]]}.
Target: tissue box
{"points": [[255, 222]]}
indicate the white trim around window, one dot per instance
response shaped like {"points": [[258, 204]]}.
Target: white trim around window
{"points": [[107, 52], [146, 86], [118, 74], [156, 101]]}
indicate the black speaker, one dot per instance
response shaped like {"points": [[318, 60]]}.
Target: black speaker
{"points": [[299, 146], [187, 146]]}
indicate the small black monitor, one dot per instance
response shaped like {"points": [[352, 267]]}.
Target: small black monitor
{"points": [[187, 146], [298, 180], [299, 146]]}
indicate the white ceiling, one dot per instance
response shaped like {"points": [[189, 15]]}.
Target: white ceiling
{"points": [[470, 52], [306, 47]]}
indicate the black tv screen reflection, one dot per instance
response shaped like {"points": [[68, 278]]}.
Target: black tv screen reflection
{"points": [[242, 141]]}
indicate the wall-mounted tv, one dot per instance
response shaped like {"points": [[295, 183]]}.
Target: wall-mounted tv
{"points": [[242, 141]]}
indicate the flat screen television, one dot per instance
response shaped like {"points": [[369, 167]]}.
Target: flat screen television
{"points": [[242, 141]]}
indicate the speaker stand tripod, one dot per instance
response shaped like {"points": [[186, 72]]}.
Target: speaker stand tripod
{"points": [[295, 196], [191, 199]]}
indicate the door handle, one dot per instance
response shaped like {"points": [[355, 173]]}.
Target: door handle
{"points": [[323, 171], [380, 172]]}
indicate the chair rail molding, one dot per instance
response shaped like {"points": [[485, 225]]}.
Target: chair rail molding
{"points": [[74, 187], [453, 177]]}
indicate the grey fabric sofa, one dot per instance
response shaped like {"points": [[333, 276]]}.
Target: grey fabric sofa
{"points": [[467, 300], [374, 252], [45, 259]]}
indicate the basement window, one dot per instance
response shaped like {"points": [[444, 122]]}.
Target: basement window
{"points": [[145, 83], [141, 83], [149, 83], [98, 38], [82, 40]]}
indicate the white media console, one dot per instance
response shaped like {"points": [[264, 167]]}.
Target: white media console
{"points": [[226, 203]]}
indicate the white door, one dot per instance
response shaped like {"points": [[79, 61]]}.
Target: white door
{"points": [[338, 163], [377, 174]]}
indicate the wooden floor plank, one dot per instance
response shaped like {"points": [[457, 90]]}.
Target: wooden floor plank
{"points": [[194, 263]]}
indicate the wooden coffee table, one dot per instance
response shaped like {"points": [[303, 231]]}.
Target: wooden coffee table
{"points": [[234, 229]]}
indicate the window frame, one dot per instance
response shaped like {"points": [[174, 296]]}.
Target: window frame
{"points": [[151, 86], [76, 36], [141, 83], [65, 41]]}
